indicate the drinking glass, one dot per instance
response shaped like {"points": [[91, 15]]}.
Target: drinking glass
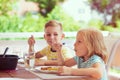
{"points": [[29, 60]]}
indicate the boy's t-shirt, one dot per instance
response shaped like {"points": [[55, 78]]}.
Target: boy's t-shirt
{"points": [[92, 60], [66, 53]]}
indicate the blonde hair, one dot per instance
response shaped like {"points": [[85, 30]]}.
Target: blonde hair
{"points": [[53, 23], [94, 41]]}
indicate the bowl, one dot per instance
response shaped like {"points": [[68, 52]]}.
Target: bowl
{"points": [[9, 62]]}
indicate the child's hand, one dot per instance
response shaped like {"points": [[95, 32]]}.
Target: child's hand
{"points": [[63, 70], [39, 62], [57, 46], [31, 41]]}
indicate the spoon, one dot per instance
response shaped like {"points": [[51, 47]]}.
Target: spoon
{"points": [[5, 52]]}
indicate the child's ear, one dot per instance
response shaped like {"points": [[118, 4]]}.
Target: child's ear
{"points": [[44, 37]]}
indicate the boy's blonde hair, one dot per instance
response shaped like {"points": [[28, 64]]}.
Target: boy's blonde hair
{"points": [[53, 23], [94, 41]]}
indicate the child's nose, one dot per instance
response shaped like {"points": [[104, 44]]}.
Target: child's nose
{"points": [[74, 43], [52, 36]]}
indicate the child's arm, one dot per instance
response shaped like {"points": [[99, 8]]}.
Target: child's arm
{"points": [[60, 58], [51, 63], [38, 55], [63, 59], [70, 62], [95, 71], [58, 47], [31, 42]]}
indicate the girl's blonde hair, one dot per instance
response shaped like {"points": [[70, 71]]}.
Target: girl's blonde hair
{"points": [[94, 41]]}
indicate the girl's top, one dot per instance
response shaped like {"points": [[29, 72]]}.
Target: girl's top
{"points": [[92, 60], [52, 55]]}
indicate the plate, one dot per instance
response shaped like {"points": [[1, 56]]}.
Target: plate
{"points": [[47, 69]]}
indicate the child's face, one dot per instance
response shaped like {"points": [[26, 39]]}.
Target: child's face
{"points": [[53, 35], [80, 46]]}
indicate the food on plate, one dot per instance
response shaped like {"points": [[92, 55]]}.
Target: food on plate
{"points": [[49, 68]]}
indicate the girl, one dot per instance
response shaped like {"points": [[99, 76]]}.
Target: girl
{"points": [[91, 56]]}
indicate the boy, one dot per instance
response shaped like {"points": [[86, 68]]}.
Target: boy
{"points": [[53, 36]]}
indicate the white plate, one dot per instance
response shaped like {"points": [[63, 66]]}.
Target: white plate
{"points": [[47, 69]]}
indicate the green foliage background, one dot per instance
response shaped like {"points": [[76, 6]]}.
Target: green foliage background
{"points": [[35, 23]]}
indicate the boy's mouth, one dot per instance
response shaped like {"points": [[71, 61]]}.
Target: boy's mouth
{"points": [[50, 42]]}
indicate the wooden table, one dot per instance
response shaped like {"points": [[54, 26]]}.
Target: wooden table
{"points": [[20, 72], [24, 74]]}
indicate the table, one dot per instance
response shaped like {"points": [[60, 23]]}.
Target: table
{"points": [[23, 74], [20, 72]]}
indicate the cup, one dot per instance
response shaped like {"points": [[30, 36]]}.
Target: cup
{"points": [[29, 60]]}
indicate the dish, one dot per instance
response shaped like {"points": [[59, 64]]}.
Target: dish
{"points": [[47, 69]]}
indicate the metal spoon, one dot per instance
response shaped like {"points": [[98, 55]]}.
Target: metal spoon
{"points": [[5, 52]]}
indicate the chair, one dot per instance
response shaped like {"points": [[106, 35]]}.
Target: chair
{"points": [[113, 60]]}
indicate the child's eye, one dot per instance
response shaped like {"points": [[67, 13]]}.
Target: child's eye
{"points": [[48, 35], [55, 34]]}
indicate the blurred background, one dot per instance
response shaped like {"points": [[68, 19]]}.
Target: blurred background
{"points": [[31, 15]]}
